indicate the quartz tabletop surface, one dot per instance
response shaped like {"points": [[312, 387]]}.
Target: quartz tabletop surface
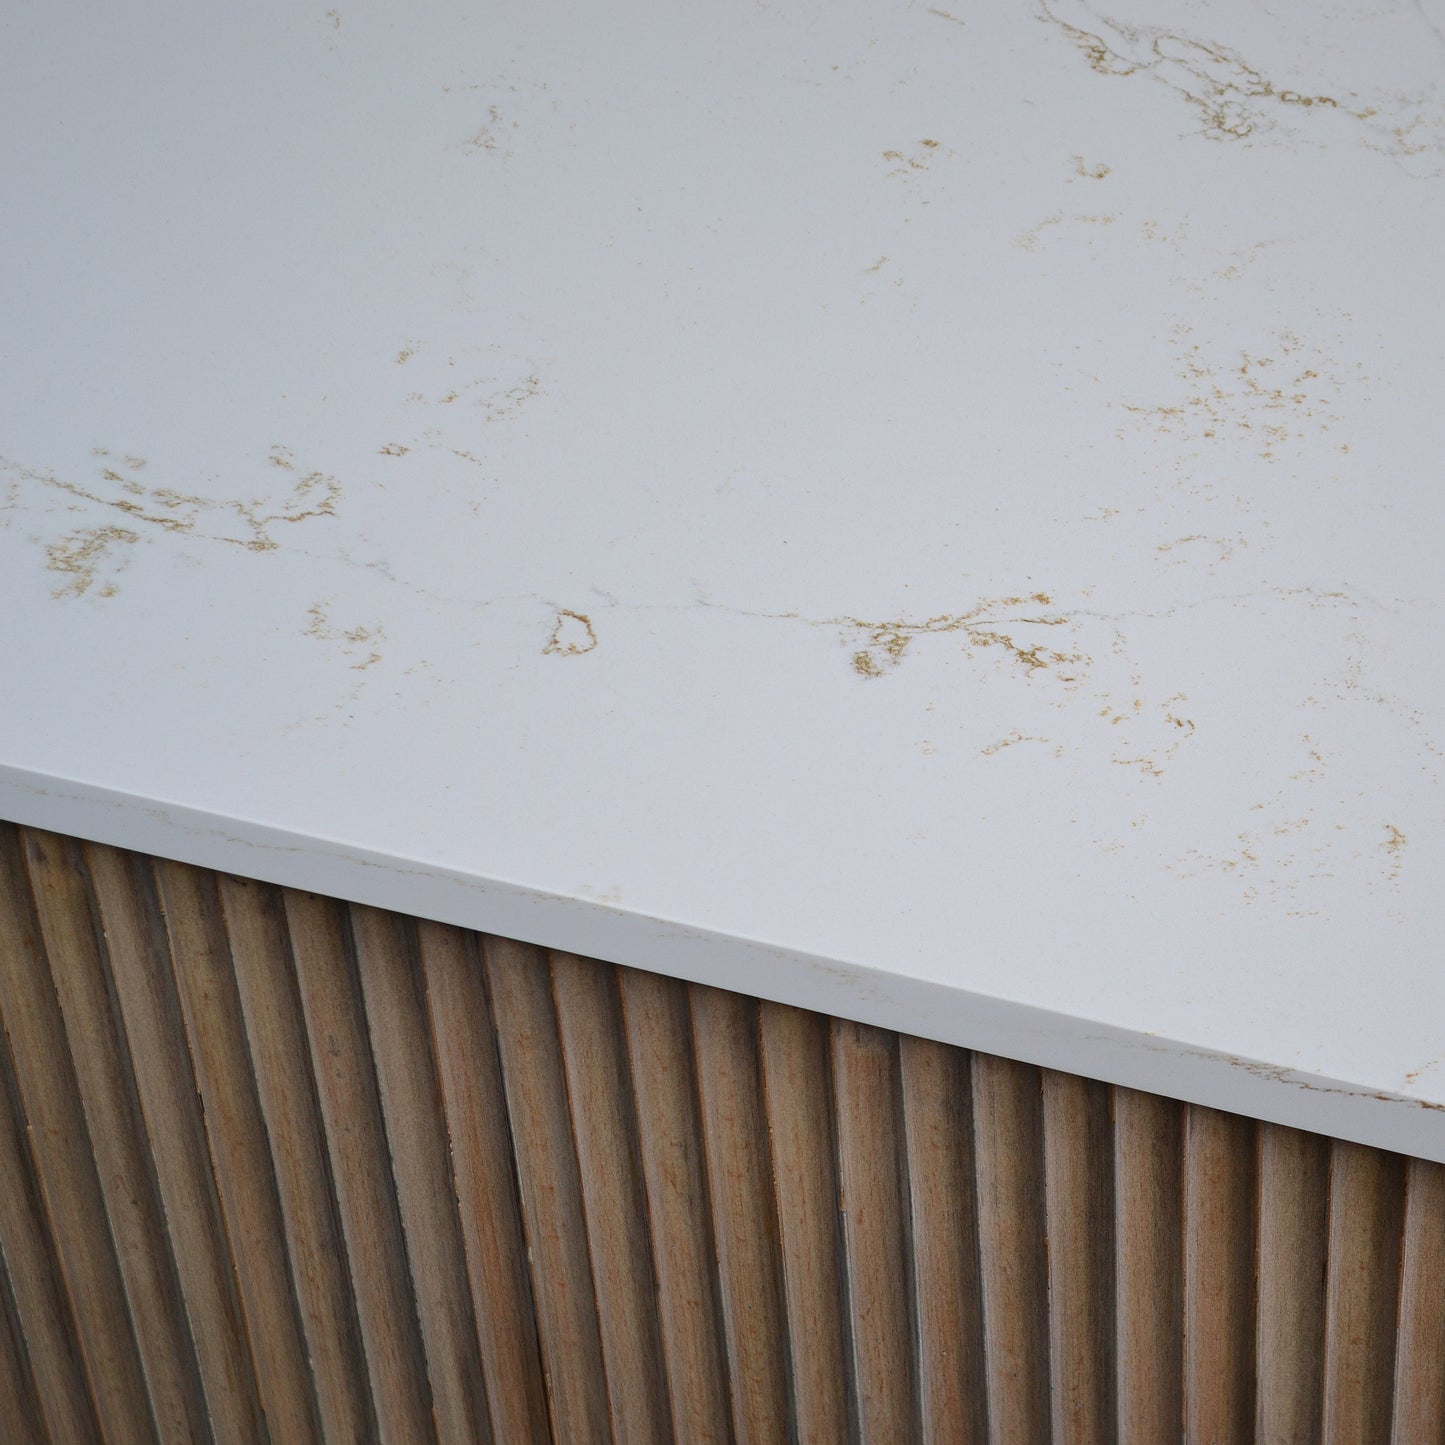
{"points": [[928, 512]]}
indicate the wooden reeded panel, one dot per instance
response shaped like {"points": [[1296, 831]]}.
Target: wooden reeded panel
{"points": [[274, 1165]]}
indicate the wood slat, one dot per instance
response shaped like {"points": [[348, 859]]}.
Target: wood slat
{"points": [[1220, 1227], [725, 1038], [240, 1150], [875, 1210], [1362, 1293], [1148, 1197], [360, 1158], [42, 1349], [122, 1150], [938, 1128], [1290, 1312], [798, 1106], [1420, 1351], [669, 1128], [604, 1128], [484, 1173], [271, 1007], [1079, 1202], [20, 1416], [1008, 1144], [393, 989], [65, 1168], [170, 1100], [519, 986]]}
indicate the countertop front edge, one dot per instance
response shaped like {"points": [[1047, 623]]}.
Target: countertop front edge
{"points": [[886, 997]]}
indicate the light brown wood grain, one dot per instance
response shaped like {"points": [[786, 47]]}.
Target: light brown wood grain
{"points": [[393, 989], [604, 1127], [240, 1150], [117, 1131], [43, 1349], [476, 1114], [165, 1080], [877, 1254], [1079, 1205], [65, 1167], [278, 1165], [20, 1417], [1220, 1227], [346, 1086], [520, 987], [1008, 1146], [1290, 1311], [1148, 1203], [1362, 1293], [1420, 1350], [798, 1105], [669, 1137], [938, 1128], [271, 1006], [725, 1037]]}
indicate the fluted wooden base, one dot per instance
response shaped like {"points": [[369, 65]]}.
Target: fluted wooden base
{"points": [[275, 1164]]}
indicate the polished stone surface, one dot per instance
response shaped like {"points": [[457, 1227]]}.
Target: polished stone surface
{"points": [[932, 513]]}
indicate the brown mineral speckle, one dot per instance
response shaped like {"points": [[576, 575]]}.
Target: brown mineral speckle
{"points": [[981, 627], [903, 164], [1231, 98], [78, 557], [361, 644], [1012, 740], [499, 398], [572, 634], [245, 522], [1394, 845], [1268, 401]]}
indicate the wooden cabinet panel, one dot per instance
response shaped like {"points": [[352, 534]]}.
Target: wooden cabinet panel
{"points": [[277, 1166]]}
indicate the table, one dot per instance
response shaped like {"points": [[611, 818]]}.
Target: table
{"points": [[930, 513]]}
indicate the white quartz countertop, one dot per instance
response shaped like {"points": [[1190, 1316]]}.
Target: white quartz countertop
{"points": [[932, 513]]}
